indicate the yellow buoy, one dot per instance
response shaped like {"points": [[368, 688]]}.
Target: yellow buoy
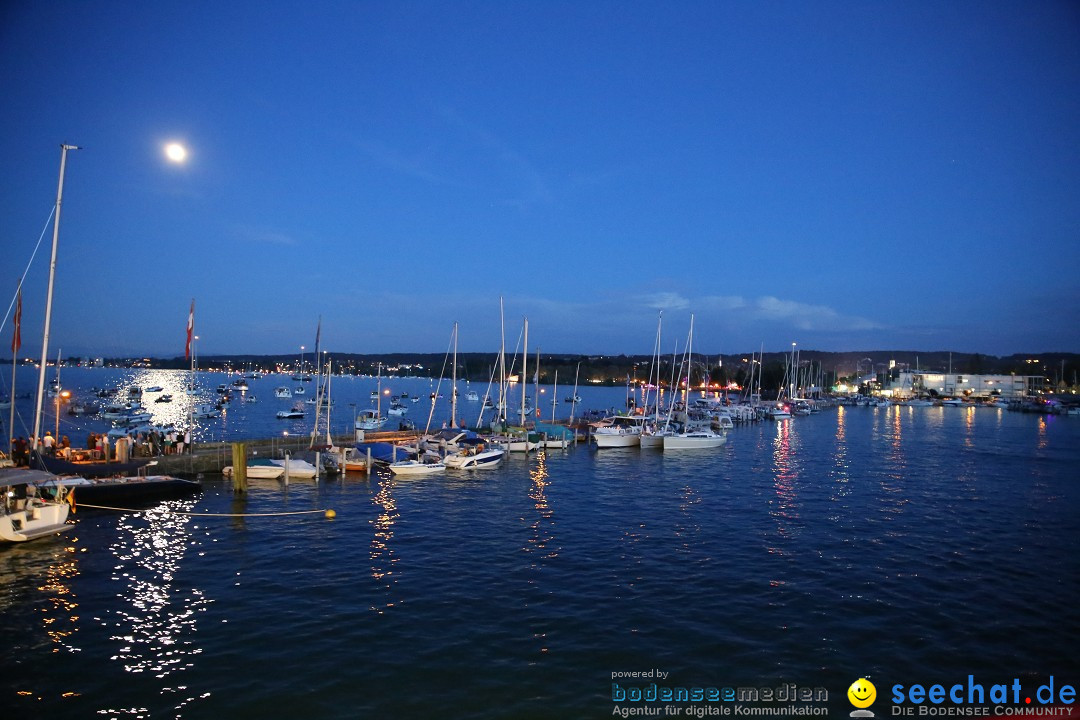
{"points": [[331, 514]]}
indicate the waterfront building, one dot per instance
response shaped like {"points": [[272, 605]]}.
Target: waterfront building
{"points": [[908, 383]]}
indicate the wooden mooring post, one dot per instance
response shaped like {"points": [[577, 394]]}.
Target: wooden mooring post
{"points": [[239, 466]]}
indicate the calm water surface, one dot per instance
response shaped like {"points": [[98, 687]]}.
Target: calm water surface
{"points": [[907, 544]]}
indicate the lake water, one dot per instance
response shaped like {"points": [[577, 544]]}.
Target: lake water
{"points": [[907, 545]]}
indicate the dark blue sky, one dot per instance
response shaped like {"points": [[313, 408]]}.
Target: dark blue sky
{"points": [[845, 175]]}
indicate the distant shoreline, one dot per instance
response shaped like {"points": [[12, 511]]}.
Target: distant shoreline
{"points": [[1057, 367]]}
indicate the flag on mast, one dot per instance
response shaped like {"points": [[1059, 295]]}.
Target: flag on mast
{"points": [[190, 329], [16, 338]]}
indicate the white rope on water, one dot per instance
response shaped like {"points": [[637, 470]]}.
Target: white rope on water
{"points": [[195, 514]]}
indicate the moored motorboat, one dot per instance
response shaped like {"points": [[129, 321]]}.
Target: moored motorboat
{"points": [[369, 420], [475, 456], [416, 467], [619, 431], [297, 411], [297, 468], [259, 469]]}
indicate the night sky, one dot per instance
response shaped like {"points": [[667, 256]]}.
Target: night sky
{"points": [[845, 175]]}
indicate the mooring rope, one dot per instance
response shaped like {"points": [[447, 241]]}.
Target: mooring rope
{"points": [[328, 513]]}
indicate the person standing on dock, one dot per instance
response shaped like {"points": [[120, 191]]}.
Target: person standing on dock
{"points": [[187, 441], [179, 443]]}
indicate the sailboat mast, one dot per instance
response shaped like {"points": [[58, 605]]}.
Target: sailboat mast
{"points": [[524, 370], [573, 401], [48, 302], [500, 412], [536, 382], [554, 394], [655, 363], [329, 372], [453, 388], [689, 360], [16, 341]]}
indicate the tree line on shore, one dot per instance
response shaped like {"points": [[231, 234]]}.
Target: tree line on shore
{"points": [[823, 367]]}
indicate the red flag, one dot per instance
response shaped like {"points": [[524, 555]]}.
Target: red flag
{"points": [[190, 329], [16, 339]]}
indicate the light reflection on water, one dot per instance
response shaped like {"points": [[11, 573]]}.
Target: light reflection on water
{"points": [[61, 620], [542, 550], [154, 624], [787, 465], [382, 554]]}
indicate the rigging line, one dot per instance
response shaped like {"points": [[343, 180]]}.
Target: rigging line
{"points": [[23, 276]]}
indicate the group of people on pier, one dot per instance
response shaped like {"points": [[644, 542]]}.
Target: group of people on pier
{"points": [[99, 446]]}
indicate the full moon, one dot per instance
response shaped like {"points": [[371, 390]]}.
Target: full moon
{"points": [[176, 152]]}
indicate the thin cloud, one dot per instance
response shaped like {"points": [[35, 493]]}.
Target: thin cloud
{"points": [[518, 165], [263, 236], [666, 301], [391, 159], [809, 317]]}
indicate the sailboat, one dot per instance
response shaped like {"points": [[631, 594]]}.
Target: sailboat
{"points": [[692, 438], [28, 511], [372, 419], [652, 436]]}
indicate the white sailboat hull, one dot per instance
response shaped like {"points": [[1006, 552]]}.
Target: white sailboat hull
{"points": [[38, 520], [620, 438], [652, 441], [693, 441]]}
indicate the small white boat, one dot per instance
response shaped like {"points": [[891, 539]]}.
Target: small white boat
{"points": [[206, 411], [299, 390], [472, 396], [416, 467], [517, 443], [297, 411], [779, 412], [297, 468], [154, 388], [369, 420], [283, 392], [259, 470]]}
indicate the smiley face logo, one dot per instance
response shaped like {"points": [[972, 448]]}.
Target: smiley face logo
{"points": [[862, 693]]}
